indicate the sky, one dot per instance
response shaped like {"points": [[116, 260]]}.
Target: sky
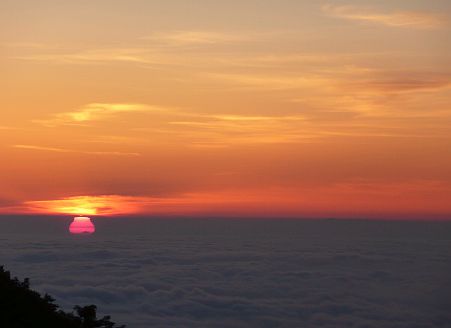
{"points": [[250, 108]]}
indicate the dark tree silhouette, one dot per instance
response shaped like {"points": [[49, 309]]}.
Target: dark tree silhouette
{"points": [[88, 316], [21, 307]]}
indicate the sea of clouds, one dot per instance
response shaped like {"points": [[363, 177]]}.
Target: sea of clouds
{"points": [[240, 273]]}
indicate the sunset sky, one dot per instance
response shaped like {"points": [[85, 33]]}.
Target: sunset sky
{"points": [[256, 108]]}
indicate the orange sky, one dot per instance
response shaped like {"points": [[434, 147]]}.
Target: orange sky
{"points": [[226, 108]]}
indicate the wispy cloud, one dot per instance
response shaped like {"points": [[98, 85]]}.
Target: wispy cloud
{"points": [[353, 77], [414, 19], [270, 82], [185, 38], [28, 45], [248, 118], [95, 56], [231, 129], [404, 84], [154, 49], [95, 112], [4, 127], [66, 150]]}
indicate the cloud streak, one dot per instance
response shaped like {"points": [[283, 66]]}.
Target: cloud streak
{"points": [[193, 37], [153, 50], [66, 150], [406, 19], [95, 56], [232, 129], [95, 112]]}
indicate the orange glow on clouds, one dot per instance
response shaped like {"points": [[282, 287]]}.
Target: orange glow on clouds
{"points": [[306, 109], [84, 205], [423, 199], [110, 205]]}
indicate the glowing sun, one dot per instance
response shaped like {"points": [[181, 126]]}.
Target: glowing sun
{"points": [[82, 225]]}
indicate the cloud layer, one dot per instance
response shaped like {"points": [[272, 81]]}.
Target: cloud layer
{"points": [[217, 273]]}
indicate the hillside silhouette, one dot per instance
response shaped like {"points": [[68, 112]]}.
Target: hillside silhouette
{"points": [[21, 307]]}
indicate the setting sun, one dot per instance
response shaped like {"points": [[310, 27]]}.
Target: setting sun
{"points": [[81, 225], [225, 163]]}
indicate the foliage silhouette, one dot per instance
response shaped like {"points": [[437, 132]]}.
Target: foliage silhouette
{"points": [[21, 307]]}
